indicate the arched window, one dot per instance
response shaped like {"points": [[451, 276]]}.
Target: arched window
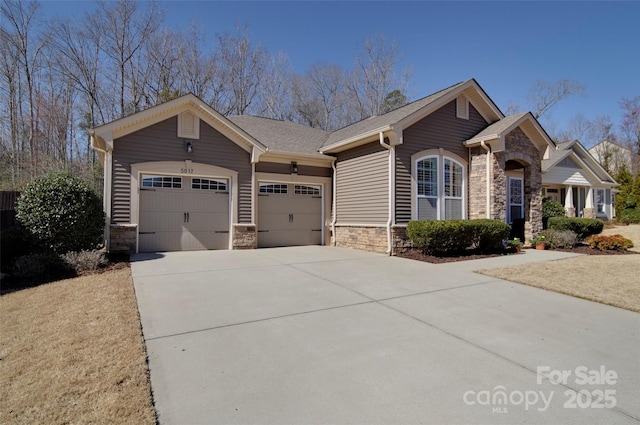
{"points": [[440, 187]]}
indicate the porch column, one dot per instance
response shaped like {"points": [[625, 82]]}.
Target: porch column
{"points": [[589, 211], [568, 202]]}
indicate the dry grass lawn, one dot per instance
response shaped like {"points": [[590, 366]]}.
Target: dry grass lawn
{"points": [[608, 279], [72, 352]]}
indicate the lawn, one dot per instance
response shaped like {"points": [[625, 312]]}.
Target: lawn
{"points": [[72, 352], [608, 279]]}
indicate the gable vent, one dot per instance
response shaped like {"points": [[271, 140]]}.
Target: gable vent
{"points": [[462, 107], [188, 125]]}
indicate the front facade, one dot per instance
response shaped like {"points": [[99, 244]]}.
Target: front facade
{"points": [[572, 177], [179, 176]]}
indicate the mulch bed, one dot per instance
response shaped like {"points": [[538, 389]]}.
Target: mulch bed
{"points": [[416, 254]]}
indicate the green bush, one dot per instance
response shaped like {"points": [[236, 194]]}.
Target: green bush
{"points": [[560, 238], [15, 242], [452, 237], [62, 213], [613, 242], [583, 227], [40, 265], [551, 208], [629, 215]]}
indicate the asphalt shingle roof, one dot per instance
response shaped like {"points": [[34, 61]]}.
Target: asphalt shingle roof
{"points": [[499, 126], [282, 136]]}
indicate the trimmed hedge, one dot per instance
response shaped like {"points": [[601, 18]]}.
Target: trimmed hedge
{"points": [[583, 227], [62, 213], [551, 208], [452, 237]]}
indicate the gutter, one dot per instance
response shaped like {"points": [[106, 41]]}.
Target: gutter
{"points": [[391, 164]]}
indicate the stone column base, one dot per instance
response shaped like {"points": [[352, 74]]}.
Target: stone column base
{"points": [[571, 212], [589, 213], [245, 236], [122, 238]]}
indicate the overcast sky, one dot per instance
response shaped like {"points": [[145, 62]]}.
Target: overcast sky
{"points": [[506, 46]]}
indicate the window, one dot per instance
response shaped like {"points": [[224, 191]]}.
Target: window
{"points": [[600, 200], [273, 188], [440, 182], [306, 190], [209, 184], [516, 199], [162, 181]]}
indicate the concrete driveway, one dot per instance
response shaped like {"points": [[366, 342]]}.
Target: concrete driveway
{"points": [[323, 335]]}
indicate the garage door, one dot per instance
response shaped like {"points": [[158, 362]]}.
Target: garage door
{"points": [[183, 213], [289, 214]]}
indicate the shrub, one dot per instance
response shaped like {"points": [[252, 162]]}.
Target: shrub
{"points": [[15, 242], [40, 265], [62, 212], [613, 242], [560, 238], [451, 237], [629, 215], [551, 208], [85, 260], [583, 227]]}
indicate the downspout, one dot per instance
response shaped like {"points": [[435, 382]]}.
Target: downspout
{"points": [[106, 198], [390, 219], [488, 177], [334, 218]]}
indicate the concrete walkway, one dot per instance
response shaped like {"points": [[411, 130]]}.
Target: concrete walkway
{"points": [[322, 335]]}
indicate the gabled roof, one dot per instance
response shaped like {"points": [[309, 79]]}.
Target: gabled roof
{"points": [[406, 115], [581, 156], [283, 136], [102, 137], [496, 132]]}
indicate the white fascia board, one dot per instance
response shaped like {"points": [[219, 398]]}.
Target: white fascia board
{"points": [[300, 158], [355, 141]]}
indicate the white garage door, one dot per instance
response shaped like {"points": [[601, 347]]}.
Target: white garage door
{"points": [[289, 214], [183, 213]]}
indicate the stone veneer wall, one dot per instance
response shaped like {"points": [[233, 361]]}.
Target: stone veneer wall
{"points": [[372, 239], [245, 236], [399, 239], [122, 238], [478, 184], [518, 147]]}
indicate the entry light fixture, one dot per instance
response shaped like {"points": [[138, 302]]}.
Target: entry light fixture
{"points": [[188, 146], [294, 167]]}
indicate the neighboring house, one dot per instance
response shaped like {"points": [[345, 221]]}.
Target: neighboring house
{"points": [[573, 177], [613, 156], [181, 176]]}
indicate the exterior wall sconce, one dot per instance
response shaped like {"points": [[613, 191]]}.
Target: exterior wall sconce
{"points": [[294, 167], [188, 147]]}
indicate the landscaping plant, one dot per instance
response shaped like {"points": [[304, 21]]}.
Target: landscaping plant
{"points": [[613, 242], [583, 227], [560, 238], [551, 208], [62, 213], [453, 237]]}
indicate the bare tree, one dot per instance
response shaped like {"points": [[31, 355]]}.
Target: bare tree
{"points": [[374, 76], [320, 96], [162, 60], [543, 96], [276, 91], [27, 47], [243, 68], [126, 29], [630, 125]]}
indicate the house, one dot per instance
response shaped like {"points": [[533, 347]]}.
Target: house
{"points": [[573, 177], [180, 176], [613, 156]]}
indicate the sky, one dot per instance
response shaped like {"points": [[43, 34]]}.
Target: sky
{"points": [[505, 46]]}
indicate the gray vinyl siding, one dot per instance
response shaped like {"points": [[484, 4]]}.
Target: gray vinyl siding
{"points": [[303, 170], [160, 143], [441, 129], [363, 185]]}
